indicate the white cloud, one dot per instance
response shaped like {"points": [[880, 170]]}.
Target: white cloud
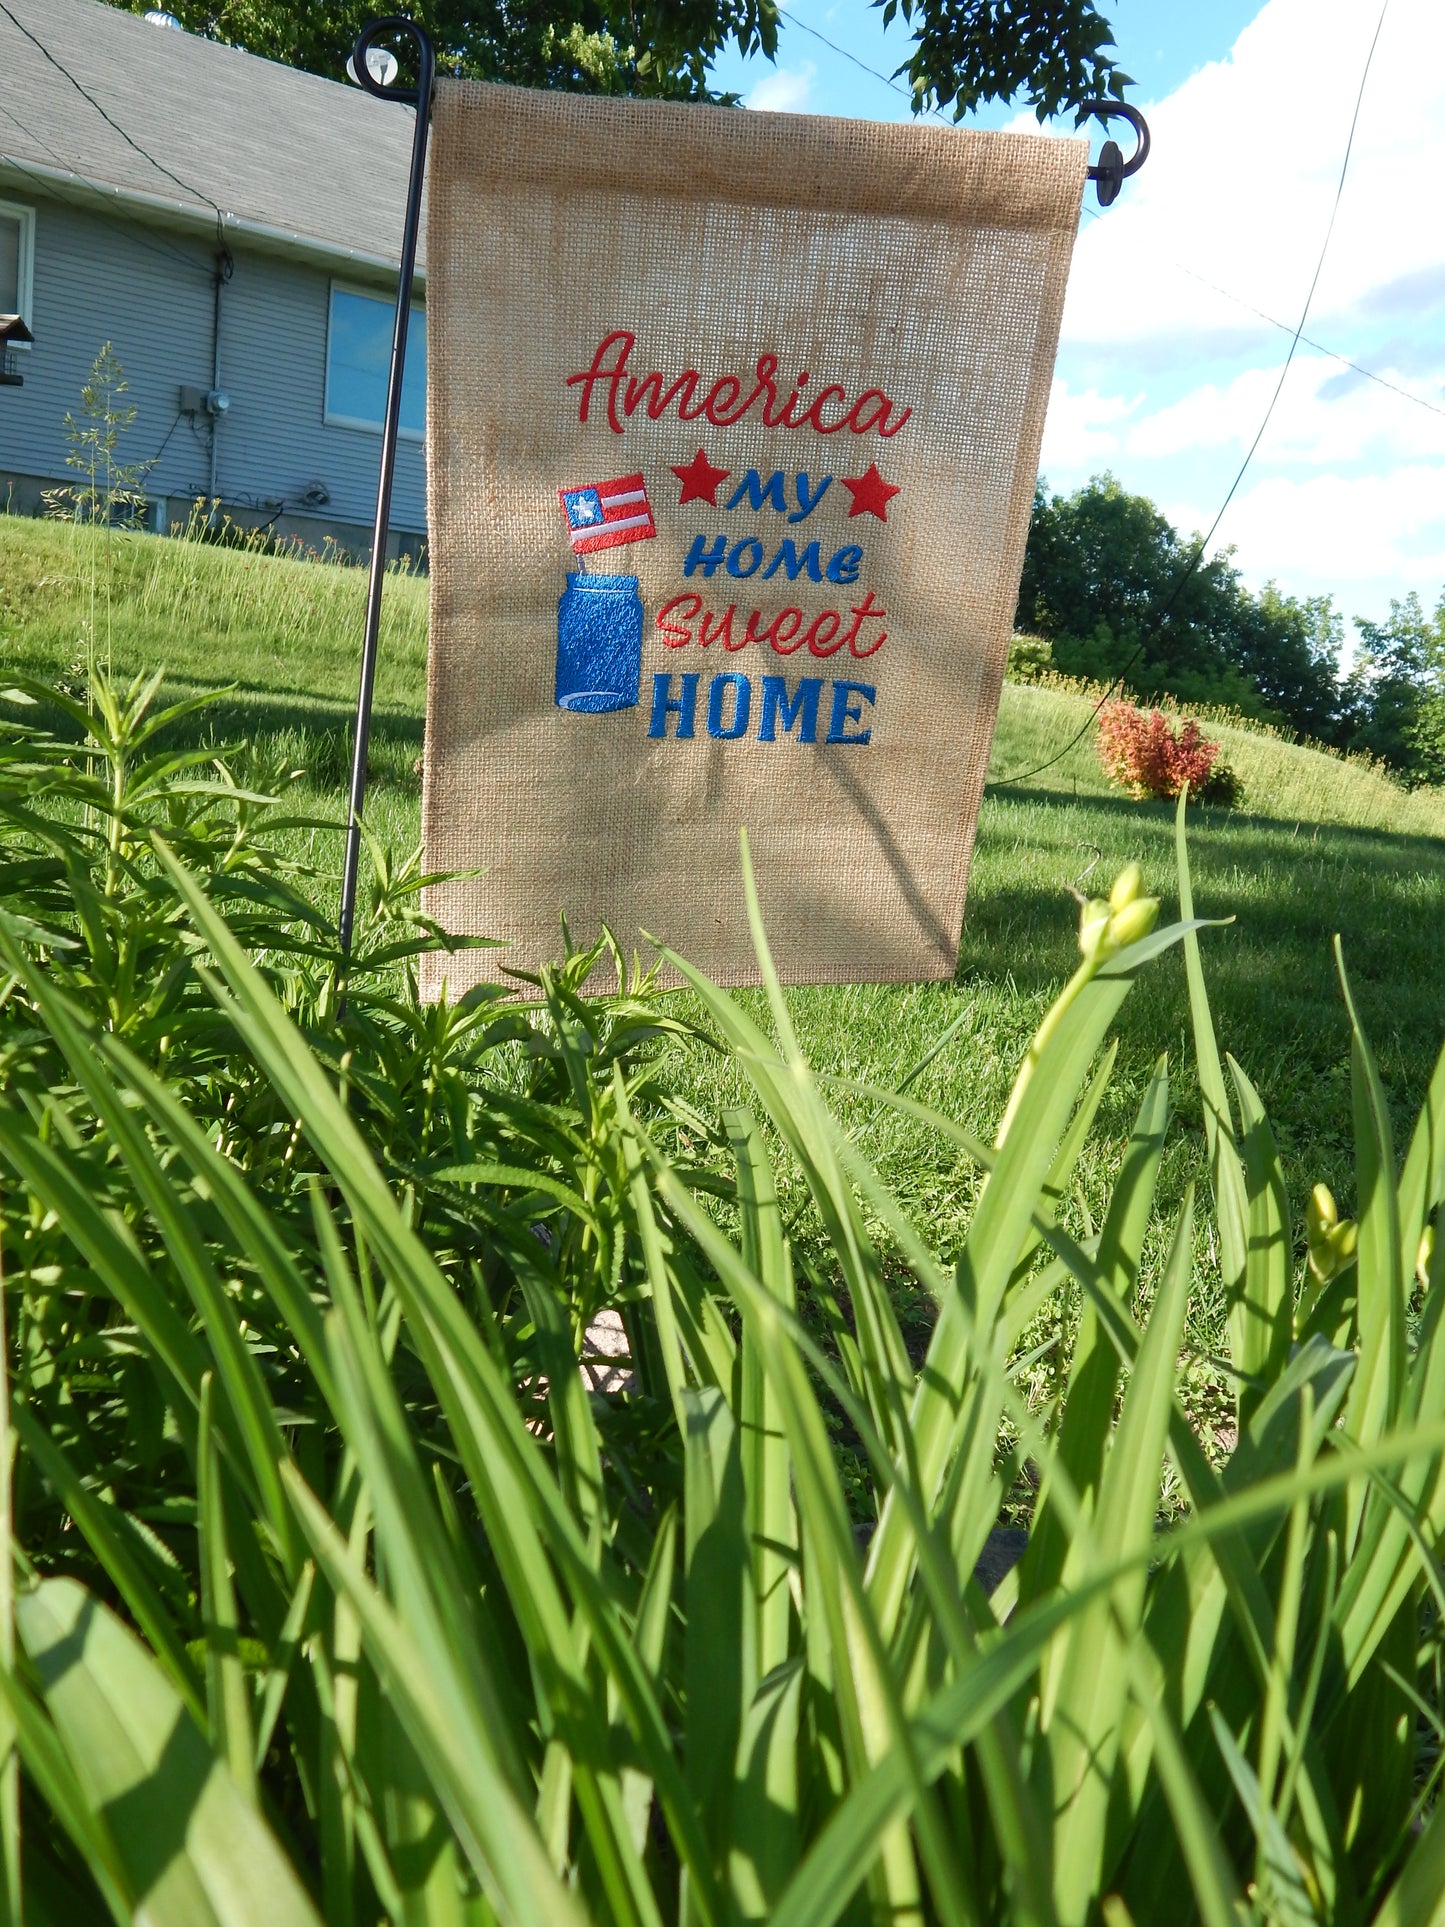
{"points": [[1239, 185], [1346, 492], [1325, 414], [1338, 533], [786, 90], [1080, 427]]}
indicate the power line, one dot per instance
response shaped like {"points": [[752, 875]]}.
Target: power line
{"points": [[56, 190], [1319, 347], [109, 119], [1308, 341], [146, 467], [1297, 335], [1202, 544], [905, 93]]}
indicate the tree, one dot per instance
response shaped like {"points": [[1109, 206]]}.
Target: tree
{"points": [[1054, 53], [657, 48], [1107, 581], [1290, 650], [966, 51], [1396, 690]]}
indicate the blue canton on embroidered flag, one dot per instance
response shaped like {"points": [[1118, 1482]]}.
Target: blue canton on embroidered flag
{"points": [[600, 515]]}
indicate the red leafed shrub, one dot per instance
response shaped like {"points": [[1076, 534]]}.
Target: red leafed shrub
{"points": [[1145, 756]]}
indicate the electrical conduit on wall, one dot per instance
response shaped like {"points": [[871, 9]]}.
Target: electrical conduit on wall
{"points": [[225, 268]]}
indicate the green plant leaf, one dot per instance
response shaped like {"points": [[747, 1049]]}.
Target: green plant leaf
{"points": [[227, 1693], [1387, 1562], [191, 1848], [1375, 1395], [108, 1534], [1281, 1879], [1087, 1684], [1246, 1337], [718, 1595], [1093, 1377], [1422, 1180], [498, 1832], [1417, 1896], [527, 1522], [1267, 1302], [239, 1376]]}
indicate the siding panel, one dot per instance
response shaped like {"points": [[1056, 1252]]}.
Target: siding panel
{"points": [[148, 291], [274, 440], [149, 294]]}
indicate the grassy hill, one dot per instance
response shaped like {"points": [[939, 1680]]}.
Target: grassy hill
{"points": [[286, 635], [1323, 846], [1282, 780]]}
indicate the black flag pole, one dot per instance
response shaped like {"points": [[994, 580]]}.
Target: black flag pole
{"points": [[421, 97]]}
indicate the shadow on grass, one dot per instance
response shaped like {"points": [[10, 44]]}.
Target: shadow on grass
{"points": [[1271, 974], [316, 734], [313, 732], [1160, 816]]}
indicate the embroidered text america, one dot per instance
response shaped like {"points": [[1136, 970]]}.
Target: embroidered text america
{"points": [[829, 410]]}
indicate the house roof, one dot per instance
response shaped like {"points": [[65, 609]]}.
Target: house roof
{"points": [[98, 102]]}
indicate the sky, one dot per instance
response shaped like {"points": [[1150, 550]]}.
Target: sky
{"points": [[1172, 340]]}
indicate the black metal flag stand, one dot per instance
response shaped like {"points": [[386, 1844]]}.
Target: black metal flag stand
{"points": [[421, 97]]}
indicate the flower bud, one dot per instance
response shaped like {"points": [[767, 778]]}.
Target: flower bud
{"points": [[1333, 1247], [1320, 1213], [1424, 1254], [1128, 885], [1093, 922], [1137, 918]]}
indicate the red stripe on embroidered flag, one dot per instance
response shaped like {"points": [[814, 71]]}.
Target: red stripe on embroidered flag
{"points": [[600, 515]]}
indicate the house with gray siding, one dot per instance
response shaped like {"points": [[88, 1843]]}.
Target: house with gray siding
{"points": [[232, 228]]}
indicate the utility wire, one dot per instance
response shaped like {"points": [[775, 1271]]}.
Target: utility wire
{"points": [[1307, 341], [109, 119], [1297, 335], [1203, 542], [57, 190], [146, 467], [906, 93], [1319, 347]]}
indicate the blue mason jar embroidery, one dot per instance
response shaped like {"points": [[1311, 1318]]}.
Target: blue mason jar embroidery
{"points": [[599, 643]]}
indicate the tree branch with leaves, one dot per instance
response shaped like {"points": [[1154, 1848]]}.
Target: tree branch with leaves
{"points": [[1049, 54]]}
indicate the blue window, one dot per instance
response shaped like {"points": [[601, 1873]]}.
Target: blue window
{"points": [[358, 356]]}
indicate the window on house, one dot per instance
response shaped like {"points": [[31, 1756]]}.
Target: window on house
{"points": [[358, 358], [17, 253]]}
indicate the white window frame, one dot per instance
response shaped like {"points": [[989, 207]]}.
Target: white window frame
{"points": [[333, 419], [25, 274]]}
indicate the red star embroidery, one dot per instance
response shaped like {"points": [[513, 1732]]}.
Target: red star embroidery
{"points": [[700, 480], [871, 494]]}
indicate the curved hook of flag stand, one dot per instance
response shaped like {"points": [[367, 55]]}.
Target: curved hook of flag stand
{"points": [[1111, 170], [421, 97]]}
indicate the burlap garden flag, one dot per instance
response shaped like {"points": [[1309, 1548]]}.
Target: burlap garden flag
{"points": [[733, 426]]}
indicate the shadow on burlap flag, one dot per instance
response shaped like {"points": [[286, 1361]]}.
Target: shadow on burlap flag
{"points": [[733, 425]]}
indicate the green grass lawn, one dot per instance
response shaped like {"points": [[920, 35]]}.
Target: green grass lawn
{"points": [[1323, 847]]}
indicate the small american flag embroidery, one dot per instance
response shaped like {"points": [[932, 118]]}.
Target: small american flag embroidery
{"points": [[603, 514]]}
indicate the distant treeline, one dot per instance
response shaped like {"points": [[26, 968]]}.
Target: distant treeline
{"points": [[1099, 575]]}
